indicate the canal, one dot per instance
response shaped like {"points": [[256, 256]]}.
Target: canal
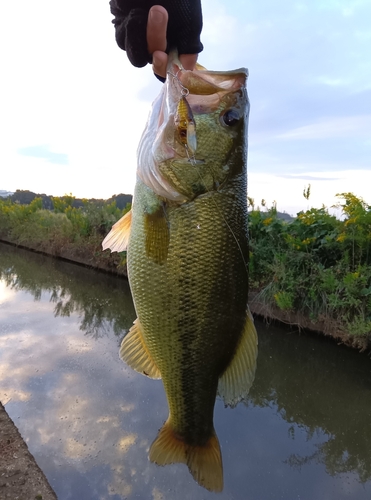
{"points": [[88, 419]]}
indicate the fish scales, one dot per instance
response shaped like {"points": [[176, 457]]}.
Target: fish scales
{"points": [[189, 290], [187, 254]]}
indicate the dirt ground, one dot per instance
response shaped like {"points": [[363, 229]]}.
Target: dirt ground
{"points": [[20, 476]]}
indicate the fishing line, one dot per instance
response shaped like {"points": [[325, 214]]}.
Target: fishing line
{"points": [[194, 164]]}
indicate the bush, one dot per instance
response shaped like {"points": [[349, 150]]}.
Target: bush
{"points": [[316, 264]]}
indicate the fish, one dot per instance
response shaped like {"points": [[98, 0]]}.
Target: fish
{"points": [[187, 259]]}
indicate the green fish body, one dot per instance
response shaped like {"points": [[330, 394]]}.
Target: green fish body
{"points": [[187, 254]]}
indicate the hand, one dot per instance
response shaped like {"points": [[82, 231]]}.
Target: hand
{"points": [[156, 41], [147, 31]]}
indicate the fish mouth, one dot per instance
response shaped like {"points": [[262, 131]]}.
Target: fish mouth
{"points": [[202, 89]]}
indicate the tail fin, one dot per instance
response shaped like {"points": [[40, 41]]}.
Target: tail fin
{"points": [[204, 462]]}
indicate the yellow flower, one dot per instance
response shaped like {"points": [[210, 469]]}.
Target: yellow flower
{"points": [[268, 221], [307, 241], [351, 220]]}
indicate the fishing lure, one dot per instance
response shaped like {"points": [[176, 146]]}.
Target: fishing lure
{"points": [[184, 119], [186, 126]]}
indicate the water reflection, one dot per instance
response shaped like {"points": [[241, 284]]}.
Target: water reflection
{"points": [[101, 301], [323, 390], [89, 420]]}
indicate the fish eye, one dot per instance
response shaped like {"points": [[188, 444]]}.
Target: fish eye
{"points": [[230, 117]]}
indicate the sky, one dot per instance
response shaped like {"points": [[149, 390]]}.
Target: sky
{"points": [[72, 108]]}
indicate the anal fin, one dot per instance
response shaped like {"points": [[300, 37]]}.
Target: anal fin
{"points": [[118, 238], [135, 353], [204, 462], [235, 383]]}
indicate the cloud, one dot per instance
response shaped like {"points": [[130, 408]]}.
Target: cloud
{"points": [[308, 177], [287, 190], [333, 82], [341, 128], [43, 151]]}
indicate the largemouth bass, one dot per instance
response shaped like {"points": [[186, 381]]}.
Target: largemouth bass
{"points": [[187, 256]]}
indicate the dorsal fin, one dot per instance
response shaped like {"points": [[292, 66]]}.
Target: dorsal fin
{"points": [[135, 353], [118, 238], [235, 383], [199, 67]]}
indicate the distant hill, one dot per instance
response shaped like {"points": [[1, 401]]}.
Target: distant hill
{"points": [[285, 216], [25, 198], [281, 215], [121, 200]]}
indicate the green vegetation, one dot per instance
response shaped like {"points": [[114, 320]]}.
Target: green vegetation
{"points": [[314, 264], [73, 228]]}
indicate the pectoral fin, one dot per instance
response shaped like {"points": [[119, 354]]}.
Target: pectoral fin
{"points": [[235, 383], [135, 353], [118, 238]]}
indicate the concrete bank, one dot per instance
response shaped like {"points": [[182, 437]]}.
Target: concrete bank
{"points": [[20, 476], [323, 325]]}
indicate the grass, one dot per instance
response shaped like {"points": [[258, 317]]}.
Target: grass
{"points": [[316, 265]]}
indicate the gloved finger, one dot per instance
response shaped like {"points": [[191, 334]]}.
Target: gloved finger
{"points": [[156, 29], [134, 28], [159, 63], [185, 25]]}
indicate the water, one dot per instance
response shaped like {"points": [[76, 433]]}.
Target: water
{"points": [[89, 420]]}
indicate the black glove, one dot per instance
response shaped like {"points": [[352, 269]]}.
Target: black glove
{"points": [[183, 30]]}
